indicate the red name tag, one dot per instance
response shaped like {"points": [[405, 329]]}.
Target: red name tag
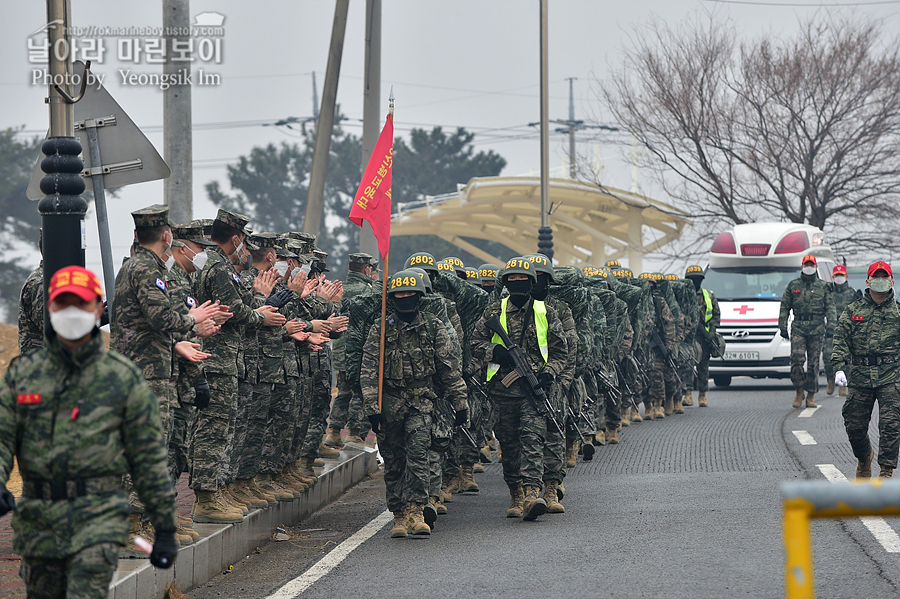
{"points": [[796, 291], [28, 398], [857, 318]]}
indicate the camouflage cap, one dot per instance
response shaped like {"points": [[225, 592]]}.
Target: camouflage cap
{"points": [[263, 240], [156, 215], [360, 258], [695, 270], [284, 253], [320, 255], [177, 244], [232, 219], [206, 226], [192, 232]]}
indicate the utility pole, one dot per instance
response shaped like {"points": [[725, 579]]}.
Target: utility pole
{"points": [[371, 108], [545, 233], [571, 125], [315, 198], [177, 130], [315, 102], [62, 208]]}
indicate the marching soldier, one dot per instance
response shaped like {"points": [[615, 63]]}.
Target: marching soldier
{"points": [[866, 359], [31, 311], [843, 295], [710, 320], [813, 308], [418, 358]]}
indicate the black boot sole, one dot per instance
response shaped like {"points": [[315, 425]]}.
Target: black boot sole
{"points": [[587, 452], [538, 508], [430, 514]]}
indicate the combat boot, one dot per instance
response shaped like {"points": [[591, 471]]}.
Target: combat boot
{"points": [[184, 537], [306, 468], [798, 399], [429, 513], [243, 494], [635, 415], [328, 452], [810, 402], [516, 499], [354, 437], [701, 400], [134, 530], [298, 472], [842, 391], [886, 472], [398, 531], [318, 462], [612, 436], [446, 495], [658, 413], [184, 521], [268, 485], [534, 505], [678, 408], [254, 488], [669, 406], [484, 455], [453, 484], [467, 482], [439, 507], [829, 390], [623, 418], [571, 452], [864, 467], [231, 500], [688, 399], [290, 484], [600, 438], [551, 498], [333, 439], [416, 523], [209, 507], [560, 491], [477, 468], [587, 449]]}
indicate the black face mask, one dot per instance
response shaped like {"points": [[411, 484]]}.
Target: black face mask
{"points": [[406, 307], [488, 288], [519, 291], [541, 288], [698, 282]]}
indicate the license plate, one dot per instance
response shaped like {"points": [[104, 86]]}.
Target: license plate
{"points": [[736, 356]]}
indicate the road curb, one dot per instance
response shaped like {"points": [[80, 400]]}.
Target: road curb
{"points": [[221, 545]]}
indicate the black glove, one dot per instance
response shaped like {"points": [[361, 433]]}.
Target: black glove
{"points": [[545, 379], [462, 416], [784, 334], [501, 356], [165, 549], [376, 420], [201, 394], [104, 316], [280, 299], [829, 333], [7, 501]]}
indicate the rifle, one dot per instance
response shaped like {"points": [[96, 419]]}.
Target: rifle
{"points": [[475, 387], [522, 370], [628, 388], [611, 390], [645, 380], [574, 418], [656, 341], [465, 431]]}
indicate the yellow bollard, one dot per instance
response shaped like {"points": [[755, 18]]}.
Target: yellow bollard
{"points": [[798, 563]]}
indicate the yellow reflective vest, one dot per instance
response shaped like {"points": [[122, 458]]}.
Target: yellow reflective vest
{"points": [[541, 328]]}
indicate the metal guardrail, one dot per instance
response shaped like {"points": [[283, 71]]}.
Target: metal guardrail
{"points": [[805, 500]]}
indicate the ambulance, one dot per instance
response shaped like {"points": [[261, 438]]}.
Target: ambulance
{"points": [[749, 268]]}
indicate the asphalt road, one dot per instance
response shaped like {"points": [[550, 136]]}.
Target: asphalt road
{"points": [[684, 507]]}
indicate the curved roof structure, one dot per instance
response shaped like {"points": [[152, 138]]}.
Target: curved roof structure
{"points": [[590, 224]]}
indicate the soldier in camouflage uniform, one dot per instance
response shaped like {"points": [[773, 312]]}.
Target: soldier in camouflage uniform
{"points": [[487, 274], [210, 430], [77, 418], [867, 359], [521, 428], [418, 358], [663, 321], [813, 307], [843, 295], [347, 406], [31, 312], [710, 319]]}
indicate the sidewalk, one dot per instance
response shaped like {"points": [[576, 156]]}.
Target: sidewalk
{"points": [[219, 545]]}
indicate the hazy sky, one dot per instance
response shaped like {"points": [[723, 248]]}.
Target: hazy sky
{"points": [[470, 63]]}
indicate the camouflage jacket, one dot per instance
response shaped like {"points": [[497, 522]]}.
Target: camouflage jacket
{"points": [[249, 349], [811, 303], [867, 330], [664, 322], [843, 296], [418, 358], [567, 375], [144, 323], [219, 281], [31, 312], [521, 330], [182, 294], [356, 284], [86, 414]]}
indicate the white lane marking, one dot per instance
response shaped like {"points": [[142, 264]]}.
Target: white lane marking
{"points": [[807, 412], [804, 437], [296, 587], [877, 525]]}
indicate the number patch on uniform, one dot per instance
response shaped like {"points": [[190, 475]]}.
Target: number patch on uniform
{"points": [[796, 291], [857, 318], [28, 398]]}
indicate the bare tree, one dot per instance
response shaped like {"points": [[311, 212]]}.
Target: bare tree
{"points": [[804, 129]]}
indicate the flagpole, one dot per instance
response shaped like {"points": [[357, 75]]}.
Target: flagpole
{"points": [[384, 278]]}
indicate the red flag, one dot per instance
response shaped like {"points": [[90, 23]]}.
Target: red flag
{"points": [[373, 198]]}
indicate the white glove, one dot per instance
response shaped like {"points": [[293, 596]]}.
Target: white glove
{"points": [[840, 379]]}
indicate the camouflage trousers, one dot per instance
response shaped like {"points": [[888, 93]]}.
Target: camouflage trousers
{"points": [[166, 391], [179, 443], [85, 575], [857, 412], [238, 426], [578, 402], [805, 348], [827, 350], [279, 430], [522, 432], [209, 433], [257, 415], [606, 411], [347, 408], [300, 416], [404, 444], [318, 414], [467, 454], [703, 369], [555, 444], [655, 393], [435, 472]]}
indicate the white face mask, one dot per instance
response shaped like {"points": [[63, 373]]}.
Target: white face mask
{"points": [[170, 262], [73, 323], [237, 252], [169, 247], [281, 267], [199, 260], [840, 279], [808, 270], [295, 272]]}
